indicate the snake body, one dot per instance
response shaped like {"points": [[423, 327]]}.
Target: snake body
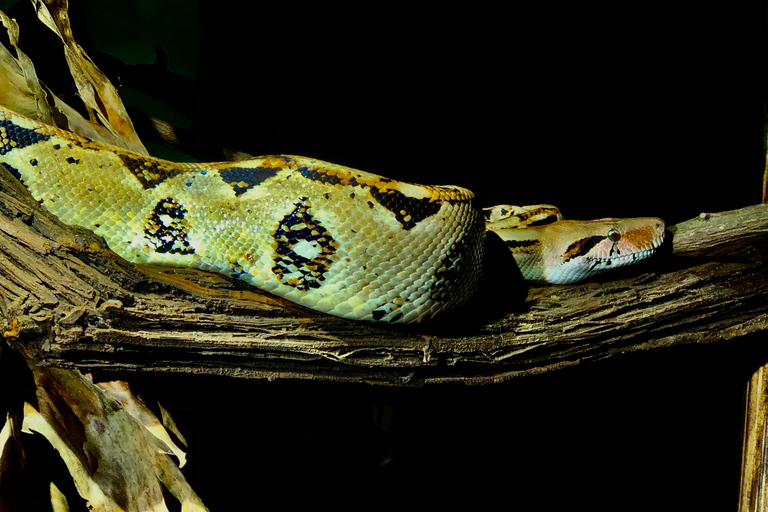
{"points": [[335, 239]]}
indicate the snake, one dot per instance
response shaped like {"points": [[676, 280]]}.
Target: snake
{"points": [[335, 239]]}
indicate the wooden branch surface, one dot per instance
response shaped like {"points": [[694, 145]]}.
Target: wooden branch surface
{"points": [[67, 301]]}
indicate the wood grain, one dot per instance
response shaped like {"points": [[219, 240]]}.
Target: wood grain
{"points": [[67, 301]]}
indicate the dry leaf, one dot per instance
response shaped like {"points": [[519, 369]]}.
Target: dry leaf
{"points": [[20, 88], [96, 91], [21, 91], [114, 460], [120, 392]]}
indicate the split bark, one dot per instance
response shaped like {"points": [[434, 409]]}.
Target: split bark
{"points": [[67, 301]]}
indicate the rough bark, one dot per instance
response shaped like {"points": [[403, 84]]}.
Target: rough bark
{"points": [[67, 301]]}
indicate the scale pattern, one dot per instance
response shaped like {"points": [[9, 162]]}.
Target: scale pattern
{"points": [[332, 238]]}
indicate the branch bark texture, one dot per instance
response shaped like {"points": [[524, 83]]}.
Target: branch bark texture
{"points": [[67, 301]]}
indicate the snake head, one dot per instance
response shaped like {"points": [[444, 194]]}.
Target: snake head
{"points": [[581, 249], [568, 251]]}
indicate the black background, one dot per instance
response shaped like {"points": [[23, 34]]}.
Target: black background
{"points": [[626, 110]]}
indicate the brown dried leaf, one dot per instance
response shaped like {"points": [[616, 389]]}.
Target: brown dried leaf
{"points": [[20, 88], [58, 500], [22, 91], [5, 436], [115, 462], [97, 92], [170, 424], [120, 392]]}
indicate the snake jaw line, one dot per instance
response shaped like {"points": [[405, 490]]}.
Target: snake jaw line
{"points": [[568, 251], [625, 242]]}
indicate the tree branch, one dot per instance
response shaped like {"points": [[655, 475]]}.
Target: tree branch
{"points": [[67, 301]]}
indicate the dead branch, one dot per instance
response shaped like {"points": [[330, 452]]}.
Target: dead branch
{"points": [[67, 301]]}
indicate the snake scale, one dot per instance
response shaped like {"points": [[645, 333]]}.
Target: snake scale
{"points": [[328, 237]]}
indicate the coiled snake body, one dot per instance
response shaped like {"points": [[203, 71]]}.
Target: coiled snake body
{"points": [[335, 239]]}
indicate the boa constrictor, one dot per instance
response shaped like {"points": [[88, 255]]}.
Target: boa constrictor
{"points": [[334, 239]]}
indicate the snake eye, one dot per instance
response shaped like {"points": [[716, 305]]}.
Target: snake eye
{"points": [[614, 235]]}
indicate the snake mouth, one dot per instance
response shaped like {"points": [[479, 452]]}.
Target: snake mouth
{"points": [[619, 261], [594, 263], [624, 242]]}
